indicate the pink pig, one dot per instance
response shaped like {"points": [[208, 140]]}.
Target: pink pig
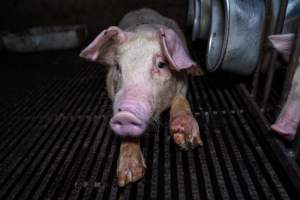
{"points": [[289, 118], [148, 64]]}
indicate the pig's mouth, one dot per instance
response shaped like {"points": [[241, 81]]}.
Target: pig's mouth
{"points": [[126, 123]]}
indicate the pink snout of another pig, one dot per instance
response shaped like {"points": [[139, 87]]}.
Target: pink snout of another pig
{"points": [[132, 111]]}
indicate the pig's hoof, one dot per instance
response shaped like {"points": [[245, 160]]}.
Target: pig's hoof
{"points": [[185, 132], [131, 167]]}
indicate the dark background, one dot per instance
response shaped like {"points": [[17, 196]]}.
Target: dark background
{"points": [[17, 15]]}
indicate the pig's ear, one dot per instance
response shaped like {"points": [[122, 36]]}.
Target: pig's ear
{"points": [[101, 49], [176, 53], [283, 44]]}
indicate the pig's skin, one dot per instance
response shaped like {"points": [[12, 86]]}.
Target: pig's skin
{"points": [[140, 89], [289, 118]]}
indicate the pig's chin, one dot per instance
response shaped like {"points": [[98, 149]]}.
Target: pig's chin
{"points": [[125, 123]]}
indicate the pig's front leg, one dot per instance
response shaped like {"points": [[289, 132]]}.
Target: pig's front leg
{"points": [[184, 128], [287, 122], [131, 164]]}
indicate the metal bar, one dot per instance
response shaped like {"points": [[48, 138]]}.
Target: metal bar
{"points": [[292, 67], [262, 158], [167, 163], [205, 186], [291, 171], [90, 162], [263, 50], [76, 157], [219, 131], [31, 164], [98, 164], [270, 74], [59, 159], [293, 64], [296, 145], [210, 147], [244, 173], [70, 160], [158, 162], [109, 171]]}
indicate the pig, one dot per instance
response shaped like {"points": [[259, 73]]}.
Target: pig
{"points": [[148, 64], [288, 120]]}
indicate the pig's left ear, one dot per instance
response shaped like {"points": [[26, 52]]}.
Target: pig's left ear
{"points": [[176, 53], [101, 49]]}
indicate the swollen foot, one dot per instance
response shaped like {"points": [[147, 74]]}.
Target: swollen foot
{"points": [[184, 130], [131, 165]]}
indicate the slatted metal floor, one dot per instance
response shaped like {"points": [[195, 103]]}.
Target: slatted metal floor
{"points": [[55, 142]]}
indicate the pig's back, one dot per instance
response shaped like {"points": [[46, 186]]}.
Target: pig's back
{"points": [[147, 16], [144, 16]]}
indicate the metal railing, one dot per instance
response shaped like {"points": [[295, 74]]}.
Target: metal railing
{"points": [[287, 154]]}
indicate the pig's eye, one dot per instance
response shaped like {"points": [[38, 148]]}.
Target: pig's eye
{"points": [[161, 65]]}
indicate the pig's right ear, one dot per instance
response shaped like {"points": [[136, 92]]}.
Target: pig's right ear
{"points": [[283, 43], [101, 49]]}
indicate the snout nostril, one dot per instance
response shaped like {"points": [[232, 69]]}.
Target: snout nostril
{"points": [[119, 123], [135, 124], [119, 110], [125, 123]]}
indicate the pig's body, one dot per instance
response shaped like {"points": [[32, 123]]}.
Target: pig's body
{"points": [[148, 62], [289, 118]]}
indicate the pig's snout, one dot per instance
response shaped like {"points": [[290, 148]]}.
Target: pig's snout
{"points": [[125, 123], [130, 118]]}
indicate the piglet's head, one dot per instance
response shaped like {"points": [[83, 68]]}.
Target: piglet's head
{"points": [[144, 76]]}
